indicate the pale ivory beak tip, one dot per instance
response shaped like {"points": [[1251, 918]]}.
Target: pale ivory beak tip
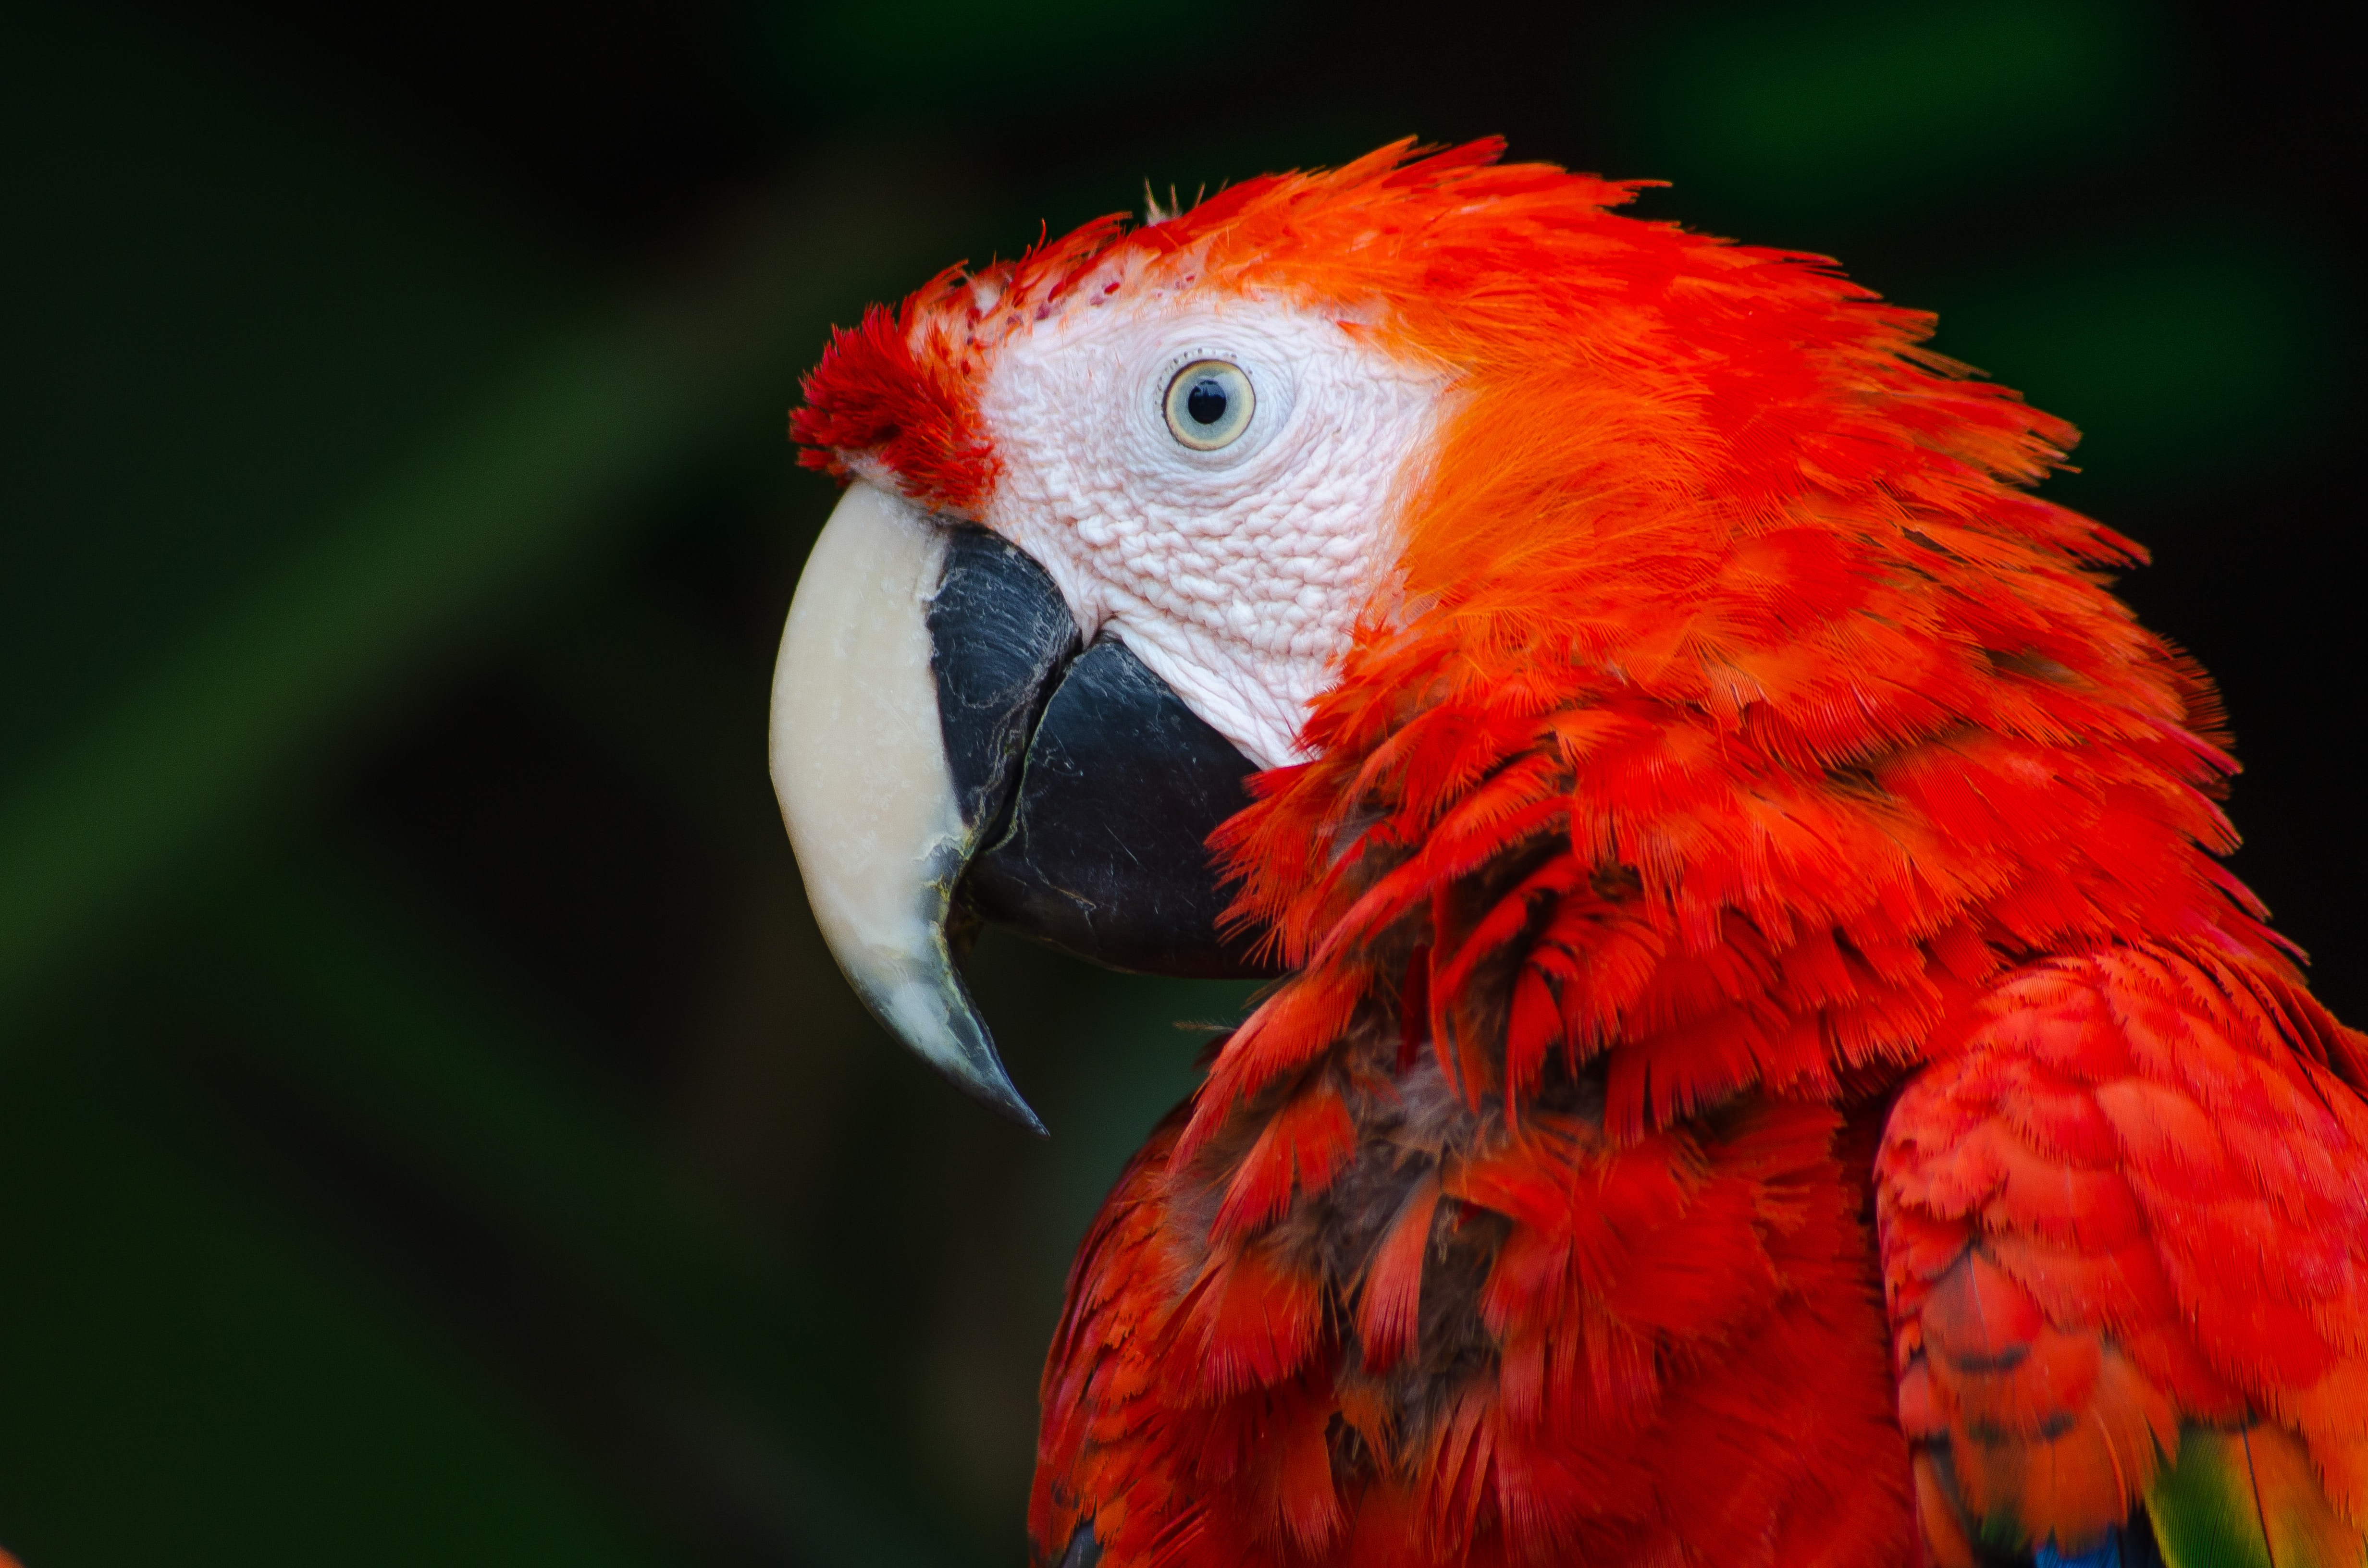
{"points": [[858, 764], [937, 1022]]}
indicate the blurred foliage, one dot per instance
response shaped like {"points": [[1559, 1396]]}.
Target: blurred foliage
{"points": [[2203, 361], [429, 1127], [1824, 113]]}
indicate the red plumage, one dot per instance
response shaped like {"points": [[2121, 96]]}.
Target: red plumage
{"points": [[873, 399], [2130, 1201], [1748, 746]]}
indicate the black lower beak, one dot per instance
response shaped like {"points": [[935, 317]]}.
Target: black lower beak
{"points": [[1092, 788]]}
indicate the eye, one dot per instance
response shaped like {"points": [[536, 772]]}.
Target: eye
{"points": [[1208, 404]]}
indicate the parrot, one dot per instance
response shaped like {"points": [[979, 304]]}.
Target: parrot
{"points": [[1760, 1061]]}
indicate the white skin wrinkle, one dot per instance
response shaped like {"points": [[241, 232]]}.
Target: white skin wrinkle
{"points": [[1237, 575]]}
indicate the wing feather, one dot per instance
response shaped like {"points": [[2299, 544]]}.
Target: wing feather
{"points": [[2124, 1235]]}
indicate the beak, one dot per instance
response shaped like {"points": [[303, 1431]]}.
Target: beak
{"points": [[944, 751]]}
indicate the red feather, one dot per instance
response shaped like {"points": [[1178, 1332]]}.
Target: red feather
{"points": [[1748, 746], [2128, 1207]]}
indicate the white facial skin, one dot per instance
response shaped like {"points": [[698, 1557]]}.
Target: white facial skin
{"points": [[1236, 575]]}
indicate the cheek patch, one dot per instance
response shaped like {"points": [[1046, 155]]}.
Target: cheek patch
{"points": [[1238, 578]]}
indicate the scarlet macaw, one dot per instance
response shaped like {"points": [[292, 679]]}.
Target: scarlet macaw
{"points": [[1766, 1067]]}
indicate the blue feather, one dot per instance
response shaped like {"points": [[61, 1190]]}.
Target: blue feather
{"points": [[2106, 1555]]}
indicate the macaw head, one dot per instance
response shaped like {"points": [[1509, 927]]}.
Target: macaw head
{"points": [[1424, 445]]}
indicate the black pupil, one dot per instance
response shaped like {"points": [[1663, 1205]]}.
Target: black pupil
{"points": [[1206, 402]]}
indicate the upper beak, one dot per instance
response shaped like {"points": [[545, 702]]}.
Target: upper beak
{"points": [[940, 742]]}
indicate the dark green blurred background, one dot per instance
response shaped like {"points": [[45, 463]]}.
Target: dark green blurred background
{"points": [[430, 1131]]}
